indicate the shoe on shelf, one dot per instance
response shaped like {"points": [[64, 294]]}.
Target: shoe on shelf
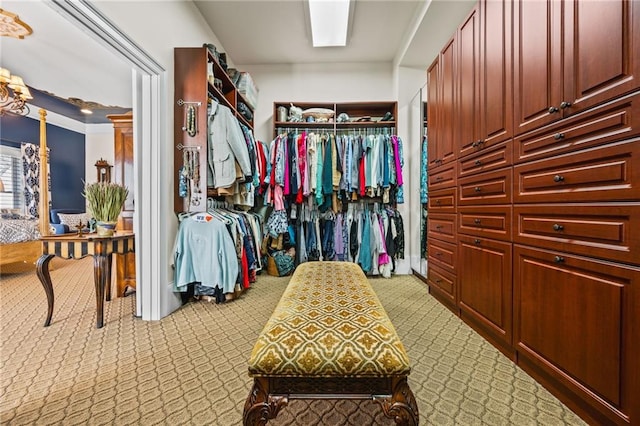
{"points": [[387, 117]]}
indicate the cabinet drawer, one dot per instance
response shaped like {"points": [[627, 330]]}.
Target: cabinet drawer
{"points": [[486, 161], [607, 231], [443, 200], [443, 254], [487, 188], [443, 177], [603, 173], [442, 226], [610, 122], [573, 316], [485, 221], [444, 282]]}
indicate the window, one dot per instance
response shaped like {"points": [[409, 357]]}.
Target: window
{"points": [[11, 194]]}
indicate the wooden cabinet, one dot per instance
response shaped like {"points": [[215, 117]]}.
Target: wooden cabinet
{"points": [[484, 108], [574, 319], [485, 291], [123, 173], [546, 132], [371, 113], [571, 55], [199, 77], [441, 107]]}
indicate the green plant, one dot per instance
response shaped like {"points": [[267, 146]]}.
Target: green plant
{"points": [[105, 200]]}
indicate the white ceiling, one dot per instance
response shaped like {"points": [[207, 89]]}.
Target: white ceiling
{"points": [[61, 59]]}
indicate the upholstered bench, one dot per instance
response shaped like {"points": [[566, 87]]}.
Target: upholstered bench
{"points": [[329, 338]]}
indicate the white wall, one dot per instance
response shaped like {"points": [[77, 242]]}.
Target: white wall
{"points": [[98, 145], [157, 32], [336, 82]]}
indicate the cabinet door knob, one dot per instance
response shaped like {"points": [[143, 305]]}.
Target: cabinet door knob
{"points": [[558, 136], [557, 227], [565, 104], [558, 259], [477, 189], [558, 178], [553, 110], [478, 162], [477, 221], [476, 241]]}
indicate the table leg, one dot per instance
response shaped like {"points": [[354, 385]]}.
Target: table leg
{"points": [[100, 272], [108, 278], [42, 270]]}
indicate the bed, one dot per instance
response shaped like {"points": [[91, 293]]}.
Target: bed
{"points": [[20, 238]]}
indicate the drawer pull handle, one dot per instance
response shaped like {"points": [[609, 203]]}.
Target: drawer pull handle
{"points": [[439, 178], [558, 178], [558, 259], [558, 136], [438, 161], [438, 227], [477, 221], [437, 201], [557, 227], [478, 163], [476, 144], [565, 104], [438, 281], [439, 253], [553, 110], [477, 189], [476, 241]]}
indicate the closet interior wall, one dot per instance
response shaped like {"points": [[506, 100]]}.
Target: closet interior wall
{"points": [[534, 193]]}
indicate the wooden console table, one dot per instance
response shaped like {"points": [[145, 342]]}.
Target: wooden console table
{"points": [[73, 246]]}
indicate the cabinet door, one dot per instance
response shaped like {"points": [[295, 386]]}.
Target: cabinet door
{"points": [[484, 280], [573, 318], [433, 112], [601, 51], [468, 105], [123, 174], [447, 148], [537, 63], [496, 73]]}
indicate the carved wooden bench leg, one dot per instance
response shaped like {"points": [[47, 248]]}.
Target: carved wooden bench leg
{"points": [[260, 405], [402, 405]]}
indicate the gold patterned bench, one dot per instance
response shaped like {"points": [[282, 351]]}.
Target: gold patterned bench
{"points": [[329, 338]]}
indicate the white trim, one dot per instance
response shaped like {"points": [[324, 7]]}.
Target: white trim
{"points": [[147, 77], [98, 129]]}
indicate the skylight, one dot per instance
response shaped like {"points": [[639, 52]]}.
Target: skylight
{"points": [[329, 21]]}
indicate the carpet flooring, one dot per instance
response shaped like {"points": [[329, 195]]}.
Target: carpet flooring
{"points": [[190, 368]]}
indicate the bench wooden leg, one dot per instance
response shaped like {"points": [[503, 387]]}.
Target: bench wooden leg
{"points": [[402, 405], [260, 405]]}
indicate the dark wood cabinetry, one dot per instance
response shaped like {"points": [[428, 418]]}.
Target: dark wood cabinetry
{"points": [[123, 174], [199, 77], [484, 279], [571, 55], [533, 229]]}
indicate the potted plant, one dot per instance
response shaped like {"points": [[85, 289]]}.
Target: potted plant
{"points": [[105, 201]]}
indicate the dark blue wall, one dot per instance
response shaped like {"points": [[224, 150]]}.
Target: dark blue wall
{"points": [[67, 151]]}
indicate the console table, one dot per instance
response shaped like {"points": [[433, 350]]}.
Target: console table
{"points": [[77, 247]]}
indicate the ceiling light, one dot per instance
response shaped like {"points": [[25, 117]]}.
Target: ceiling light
{"points": [[86, 111], [329, 22], [14, 94]]}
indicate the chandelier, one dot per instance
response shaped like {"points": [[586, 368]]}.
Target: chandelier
{"points": [[14, 94]]}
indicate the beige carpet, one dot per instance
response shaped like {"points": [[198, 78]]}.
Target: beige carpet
{"points": [[191, 367]]}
